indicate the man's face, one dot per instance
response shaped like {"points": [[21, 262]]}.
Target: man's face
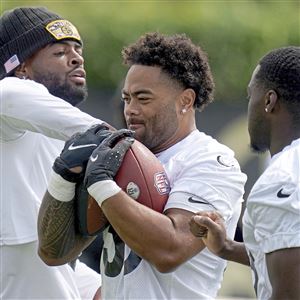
{"points": [[151, 106], [258, 125], [59, 67]]}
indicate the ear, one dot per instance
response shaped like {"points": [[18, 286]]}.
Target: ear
{"points": [[270, 100], [186, 101], [20, 71]]}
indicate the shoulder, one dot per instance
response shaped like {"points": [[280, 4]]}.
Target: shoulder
{"points": [[278, 187], [14, 85], [206, 152], [283, 171], [206, 162], [13, 90], [288, 160]]}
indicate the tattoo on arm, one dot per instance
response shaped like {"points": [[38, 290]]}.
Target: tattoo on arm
{"points": [[58, 238]]}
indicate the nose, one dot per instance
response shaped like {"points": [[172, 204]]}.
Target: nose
{"points": [[77, 59], [131, 108]]}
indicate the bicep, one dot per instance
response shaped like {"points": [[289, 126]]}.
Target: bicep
{"points": [[187, 244], [284, 273]]}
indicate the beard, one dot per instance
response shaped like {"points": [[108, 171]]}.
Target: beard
{"points": [[72, 93], [258, 149], [259, 141], [159, 128]]}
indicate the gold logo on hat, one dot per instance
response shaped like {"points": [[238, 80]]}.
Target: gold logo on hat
{"points": [[63, 29]]}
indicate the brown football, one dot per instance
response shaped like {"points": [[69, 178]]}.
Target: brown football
{"points": [[141, 176]]}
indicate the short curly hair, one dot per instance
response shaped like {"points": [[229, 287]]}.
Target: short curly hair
{"points": [[280, 70], [178, 57]]}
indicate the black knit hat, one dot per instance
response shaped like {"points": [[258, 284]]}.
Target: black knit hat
{"points": [[25, 30]]}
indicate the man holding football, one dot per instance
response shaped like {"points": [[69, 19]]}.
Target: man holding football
{"points": [[42, 79], [271, 222], [147, 254]]}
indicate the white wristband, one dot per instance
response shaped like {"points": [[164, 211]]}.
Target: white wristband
{"points": [[61, 189], [102, 190]]}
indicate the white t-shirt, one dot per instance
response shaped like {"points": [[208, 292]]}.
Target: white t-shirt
{"points": [[204, 175], [34, 126], [272, 218]]}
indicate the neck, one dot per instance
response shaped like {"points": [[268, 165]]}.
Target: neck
{"points": [[181, 133], [284, 137]]}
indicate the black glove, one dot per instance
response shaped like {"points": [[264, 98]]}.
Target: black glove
{"points": [[77, 151], [106, 159]]}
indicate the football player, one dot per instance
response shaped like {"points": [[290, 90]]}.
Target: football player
{"points": [[147, 254], [42, 79], [271, 222]]}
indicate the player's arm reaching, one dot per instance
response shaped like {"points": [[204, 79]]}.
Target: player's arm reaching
{"points": [[209, 226], [58, 239]]}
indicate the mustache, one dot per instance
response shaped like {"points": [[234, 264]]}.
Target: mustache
{"points": [[134, 121]]}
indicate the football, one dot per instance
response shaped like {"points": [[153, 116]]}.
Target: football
{"points": [[141, 176]]}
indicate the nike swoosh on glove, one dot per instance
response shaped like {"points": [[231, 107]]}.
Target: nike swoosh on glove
{"points": [[77, 151], [107, 158]]}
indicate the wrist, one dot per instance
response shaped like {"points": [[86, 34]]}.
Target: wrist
{"points": [[227, 251], [74, 174], [103, 190], [61, 189]]}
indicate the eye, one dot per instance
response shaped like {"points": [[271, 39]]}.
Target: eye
{"points": [[79, 50], [125, 99], [144, 98], [59, 53]]}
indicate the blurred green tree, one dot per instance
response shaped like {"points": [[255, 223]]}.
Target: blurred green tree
{"points": [[233, 33]]}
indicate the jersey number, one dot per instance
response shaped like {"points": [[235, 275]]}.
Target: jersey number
{"points": [[113, 268]]}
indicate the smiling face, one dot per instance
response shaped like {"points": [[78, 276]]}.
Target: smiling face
{"points": [[59, 67], [258, 124], [152, 106]]}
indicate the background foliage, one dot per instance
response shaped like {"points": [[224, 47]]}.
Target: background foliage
{"points": [[235, 34]]}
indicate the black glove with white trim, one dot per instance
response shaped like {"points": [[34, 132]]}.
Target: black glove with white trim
{"points": [[107, 158], [77, 151]]}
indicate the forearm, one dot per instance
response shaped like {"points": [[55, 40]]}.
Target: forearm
{"points": [[59, 242], [156, 237], [136, 224], [235, 251]]}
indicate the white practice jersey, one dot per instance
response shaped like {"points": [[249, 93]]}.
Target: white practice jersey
{"points": [[272, 218], [203, 175], [34, 126], [31, 137]]}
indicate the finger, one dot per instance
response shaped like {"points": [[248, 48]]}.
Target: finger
{"points": [[201, 233], [197, 230], [97, 128], [123, 145], [117, 136], [205, 222], [204, 213], [214, 215]]}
